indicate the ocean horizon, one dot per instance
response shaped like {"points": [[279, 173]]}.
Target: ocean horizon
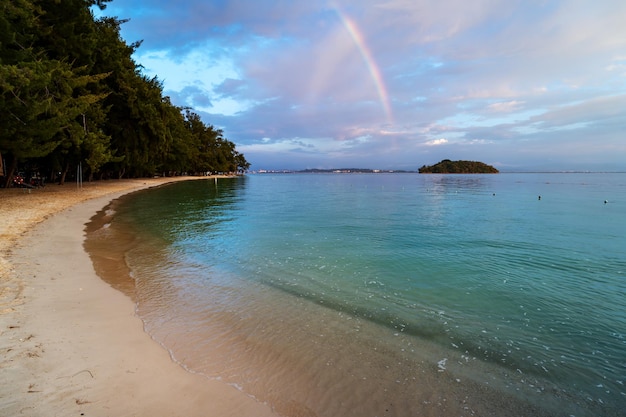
{"points": [[386, 294]]}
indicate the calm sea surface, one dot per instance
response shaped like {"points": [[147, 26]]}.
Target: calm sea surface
{"points": [[389, 294]]}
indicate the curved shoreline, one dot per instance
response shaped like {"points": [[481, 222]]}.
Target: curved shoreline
{"points": [[72, 345]]}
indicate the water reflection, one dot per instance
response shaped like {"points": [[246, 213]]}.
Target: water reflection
{"points": [[442, 183], [173, 211]]}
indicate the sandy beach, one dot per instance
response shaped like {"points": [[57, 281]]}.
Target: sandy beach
{"points": [[71, 344]]}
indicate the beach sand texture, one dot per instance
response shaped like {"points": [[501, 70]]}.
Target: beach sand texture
{"points": [[72, 345]]}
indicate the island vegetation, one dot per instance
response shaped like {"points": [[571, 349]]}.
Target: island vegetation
{"points": [[71, 95], [458, 167]]}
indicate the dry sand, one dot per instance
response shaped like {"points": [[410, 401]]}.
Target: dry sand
{"points": [[70, 345]]}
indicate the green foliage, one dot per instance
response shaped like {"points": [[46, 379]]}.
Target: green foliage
{"points": [[458, 167], [71, 93]]}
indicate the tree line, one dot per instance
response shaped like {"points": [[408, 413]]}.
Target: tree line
{"points": [[71, 93]]}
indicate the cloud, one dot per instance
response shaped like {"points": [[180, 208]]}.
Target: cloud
{"points": [[192, 96], [498, 80], [437, 142], [505, 107], [599, 113]]}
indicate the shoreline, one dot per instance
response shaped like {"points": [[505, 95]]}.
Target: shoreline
{"points": [[257, 346], [72, 344]]}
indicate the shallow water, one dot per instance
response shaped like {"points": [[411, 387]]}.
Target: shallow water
{"points": [[387, 294]]}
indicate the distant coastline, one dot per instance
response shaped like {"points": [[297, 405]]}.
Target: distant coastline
{"points": [[403, 171], [333, 171]]}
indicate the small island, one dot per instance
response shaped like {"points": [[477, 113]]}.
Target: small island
{"points": [[458, 167]]}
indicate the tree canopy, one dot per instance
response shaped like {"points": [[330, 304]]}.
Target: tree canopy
{"points": [[458, 167], [71, 93]]}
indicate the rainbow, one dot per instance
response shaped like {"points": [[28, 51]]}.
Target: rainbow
{"points": [[359, 41]]}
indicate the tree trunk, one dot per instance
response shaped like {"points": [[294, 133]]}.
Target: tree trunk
{"points": [[10, 172], [64, 173]]}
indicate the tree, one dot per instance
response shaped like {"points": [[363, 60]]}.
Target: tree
{"points": [[242, 164], [42, 97], [37, 99], [14, 48], [70, 93]]}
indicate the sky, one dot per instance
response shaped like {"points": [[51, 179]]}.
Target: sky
{"points": [[523, 85]]}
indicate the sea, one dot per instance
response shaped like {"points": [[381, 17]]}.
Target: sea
{"points": [[388, 294]]}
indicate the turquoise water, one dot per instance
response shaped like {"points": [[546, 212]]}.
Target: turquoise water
{"points": [[391, 294]]}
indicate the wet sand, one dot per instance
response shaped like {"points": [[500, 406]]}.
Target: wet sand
{"points": [[70, 343]]}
